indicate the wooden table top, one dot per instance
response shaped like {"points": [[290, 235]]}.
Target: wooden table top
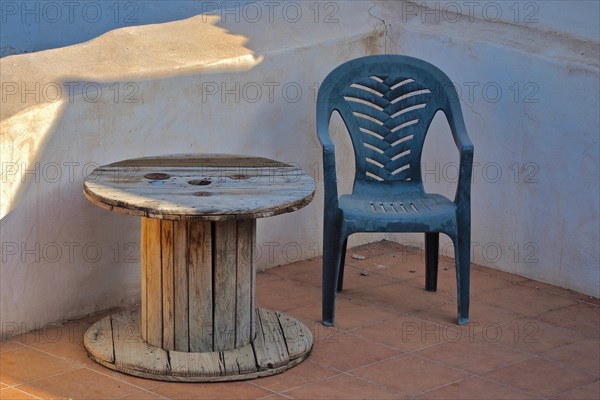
{"points": [[200, 187]]}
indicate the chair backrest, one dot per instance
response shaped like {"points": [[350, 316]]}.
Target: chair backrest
{"points": [[387, 103]]}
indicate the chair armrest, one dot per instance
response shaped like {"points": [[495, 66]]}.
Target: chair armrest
{"points": [[329, 166], [465, 149], [330, 176]]}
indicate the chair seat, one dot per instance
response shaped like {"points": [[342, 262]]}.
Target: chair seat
{"points": [[412, 212]]}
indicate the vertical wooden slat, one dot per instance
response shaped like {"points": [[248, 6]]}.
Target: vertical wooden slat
{"points": [[180, 290], [253, 316], [154, 312], [244, 283], [166, 245], [225, 261], [143, 261], [200, 287]]}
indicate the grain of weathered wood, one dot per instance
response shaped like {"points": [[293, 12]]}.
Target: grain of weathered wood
{"points": [[99, 340], [154, 312], [298, 339], [194, 160], [253, 317], [200, 286], [147, 361], [239, 361], [244, 274], [168, 289], [143, 264], [269, 344], [224, 267], [240, 187], [181, 286], [133, 353], [196, 364]]}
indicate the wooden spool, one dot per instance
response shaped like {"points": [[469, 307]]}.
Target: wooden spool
{"points": [[198, 320], [202, 299]]}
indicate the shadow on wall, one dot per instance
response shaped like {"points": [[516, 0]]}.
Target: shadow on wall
{"points": [[196, 85], [29, 26], [119, 73]]}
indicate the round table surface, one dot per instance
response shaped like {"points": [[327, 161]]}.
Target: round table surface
{"points": [[200, 187]]}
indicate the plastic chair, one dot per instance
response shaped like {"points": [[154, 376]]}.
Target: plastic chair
{"points": [[387, 103]]}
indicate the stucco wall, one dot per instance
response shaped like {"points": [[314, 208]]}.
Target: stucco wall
{"points": [[217, 83], [529, 89], [206, 84]]}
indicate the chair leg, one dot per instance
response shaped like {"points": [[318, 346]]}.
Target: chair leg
{"points": [[332, 245], [432, 244], [462, 253], [340, 282]]}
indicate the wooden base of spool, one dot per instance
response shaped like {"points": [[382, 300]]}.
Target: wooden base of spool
{"points": [[281, 342]]}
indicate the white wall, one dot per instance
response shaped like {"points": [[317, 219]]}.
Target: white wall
{"points": [[170, 82], [156, 85], [530, 94]]}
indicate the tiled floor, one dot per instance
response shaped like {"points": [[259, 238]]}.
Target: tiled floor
{"points": [[393, 340]]}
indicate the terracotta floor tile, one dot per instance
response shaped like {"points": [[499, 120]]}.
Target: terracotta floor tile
{"points": [[582, 318], [10, 345], [373, 249], [130, 379], [587, 392], [507, 276], [344, 387], [289, 270], [285, 295], [396, 265], [275, 396], [15, 394], [592, 300], [206, 391], [345, 352], [583, 355], [265, 277], [446, 279], [472, 354], [379, 316], [26, 364], [530, 335], [69, 346], [403, 298], [408, 334], [481, 316], [305, 373], [540, 377], [481, 282], [410, 374], [80, 384], [558, 290], [525, 300], [354, 279], [476, 389], [143, 395], [349, 313]]}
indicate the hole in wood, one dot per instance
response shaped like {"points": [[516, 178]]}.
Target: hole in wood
{"points": [[200, 182], [157, 176], [202, 194]]}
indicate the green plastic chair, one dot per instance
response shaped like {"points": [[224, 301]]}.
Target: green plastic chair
{"points": [[387, 103]]}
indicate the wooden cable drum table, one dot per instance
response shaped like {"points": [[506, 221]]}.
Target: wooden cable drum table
{"points": [[198, 320]]}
